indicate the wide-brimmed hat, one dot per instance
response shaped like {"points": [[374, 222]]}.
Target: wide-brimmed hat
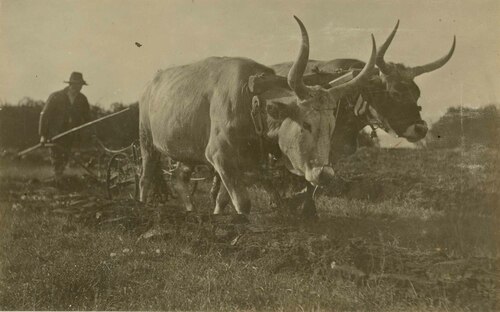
{"points": [[76, 77]]}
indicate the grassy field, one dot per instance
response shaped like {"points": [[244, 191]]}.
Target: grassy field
{"points": [[399, 230]]}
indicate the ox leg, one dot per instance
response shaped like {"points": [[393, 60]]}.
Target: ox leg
{"points": [[150, 164], [223, 199], [303, 202], [214, 190], [182, 177], [232, 181], [308, 204], [219, 195], [276, 201]]}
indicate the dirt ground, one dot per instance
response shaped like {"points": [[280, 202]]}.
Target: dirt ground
{"points": [[398, 230]]}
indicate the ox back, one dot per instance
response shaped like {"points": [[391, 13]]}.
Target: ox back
{"points": [[181, 103]]}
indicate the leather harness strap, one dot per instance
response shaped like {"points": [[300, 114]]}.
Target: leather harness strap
{"points": [[362, 109], [258, 114]]}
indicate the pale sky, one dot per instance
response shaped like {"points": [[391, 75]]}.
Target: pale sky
{"points": [[42, 42]]}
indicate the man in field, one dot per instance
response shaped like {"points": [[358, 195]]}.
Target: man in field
{"points": [[64, 109]]}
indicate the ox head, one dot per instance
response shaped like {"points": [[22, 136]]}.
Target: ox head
{"points": [[396, 108], [307, 124]]}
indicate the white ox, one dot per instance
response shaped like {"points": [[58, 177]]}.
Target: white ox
{"points": [[201, 114]]}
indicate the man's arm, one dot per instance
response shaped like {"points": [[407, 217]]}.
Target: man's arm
{"points": [[87, 117], [43, 125], [86, 109]]}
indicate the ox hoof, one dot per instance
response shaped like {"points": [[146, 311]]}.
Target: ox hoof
{"points": [[308, 210], [240, 219]]}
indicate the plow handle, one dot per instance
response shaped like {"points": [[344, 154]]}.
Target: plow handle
{"points": [[62, 134]]}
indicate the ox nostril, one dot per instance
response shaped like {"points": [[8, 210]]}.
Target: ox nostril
{"points": [[421, 129]]}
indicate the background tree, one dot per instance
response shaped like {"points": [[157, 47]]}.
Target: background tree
{"points": [[465, 127], [19, 125]]}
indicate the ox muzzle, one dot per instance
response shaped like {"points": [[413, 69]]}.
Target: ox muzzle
{"points": [[416, 131], [320, 175]]}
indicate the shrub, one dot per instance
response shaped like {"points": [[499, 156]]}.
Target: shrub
{"points": [[466, 127], [19, 125]]}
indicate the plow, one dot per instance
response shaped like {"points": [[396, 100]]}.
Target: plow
{"points": [[119, 170]]}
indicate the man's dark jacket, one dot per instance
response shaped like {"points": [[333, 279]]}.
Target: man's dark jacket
{"points": [[60, 115]]}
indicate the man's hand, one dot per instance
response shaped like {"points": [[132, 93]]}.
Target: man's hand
{"points": [[43, 141]]}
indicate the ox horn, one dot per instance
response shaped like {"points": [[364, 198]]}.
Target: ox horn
{"points": [[419, 70], [383, 48], [361, 77], [299, 66]]}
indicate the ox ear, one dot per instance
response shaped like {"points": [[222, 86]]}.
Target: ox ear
{"points": [[280, 111]]}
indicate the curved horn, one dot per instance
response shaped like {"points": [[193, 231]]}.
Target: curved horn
{"points": [[383, 48], [418, 70], [362, 76], [299, 66]]}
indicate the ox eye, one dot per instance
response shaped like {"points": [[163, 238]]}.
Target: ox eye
{"points": [[306, 126]]}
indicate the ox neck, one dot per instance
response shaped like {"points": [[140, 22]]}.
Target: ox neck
{"points": [[349, 123], [352, 114], [361, 106]]}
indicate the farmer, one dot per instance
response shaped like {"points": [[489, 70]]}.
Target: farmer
{"points": [[64, 109]]}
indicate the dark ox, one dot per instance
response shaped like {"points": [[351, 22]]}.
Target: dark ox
{"points": [[388, 100], [201, 114], [390, 97]]}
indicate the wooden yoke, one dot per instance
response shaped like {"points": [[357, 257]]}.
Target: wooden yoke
{"points": [[261, 83], [344, 78]]}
